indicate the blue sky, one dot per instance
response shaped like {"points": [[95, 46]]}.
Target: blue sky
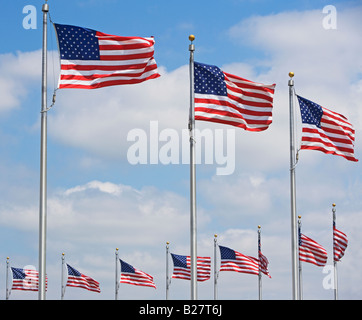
{"points": [[98, 201]]}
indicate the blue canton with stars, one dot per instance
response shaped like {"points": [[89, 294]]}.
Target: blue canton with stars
{"points": [[209, 80], [227, 253], [73, 272], [76, 43], [18, 273], [125, 267], [179, 261], [311, 112]]}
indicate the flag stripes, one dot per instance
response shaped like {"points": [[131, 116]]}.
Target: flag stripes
{"points": [[135, 277], [26, 279], [312, 252], [340, 243], [77, 279], [235, 261], [91, 59], [182, 267], [225, 98], [325, 130], [263, 264]]}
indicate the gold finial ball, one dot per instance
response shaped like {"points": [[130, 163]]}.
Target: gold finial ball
{"points": [[116, 249], [291, 74], [191, 37], [167, 242], [215, 235], [333, 204], [259, 226], [299, 217]]}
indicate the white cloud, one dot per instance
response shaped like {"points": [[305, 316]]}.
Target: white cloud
{"points": [[99, 120], [17, 72]]}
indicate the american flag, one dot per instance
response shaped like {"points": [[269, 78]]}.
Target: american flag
{"points": [[263, 264], [26, 279], [311, 251], [263, 261], [235, 261], [91, 59], [182, 267], [135, 277], [225, 98], [325, 130], [77, 279], [340, 243]]}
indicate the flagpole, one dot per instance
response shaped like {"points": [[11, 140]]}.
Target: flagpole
{"points": [[300, 265], [295, 261], [334, 261], [62, 290], [116, 277], [7, 279], [167, 275], [43, 163], [215, 268], [259, 250], [193, 229]]}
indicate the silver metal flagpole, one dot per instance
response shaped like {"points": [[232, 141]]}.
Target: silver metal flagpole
{"points": [[7, 279], [43, 163], [300, 265], [259, 250], [193, 229], [167, 276], [116, 277], [62, 290], [295, 260], [216, 273], [334, 262]]}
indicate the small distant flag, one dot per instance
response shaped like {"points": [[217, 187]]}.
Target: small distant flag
{"points": [[340, 243], [25, 279], [77, 279], [182, 267], [135, 277], [232, 260], [311, 251], [263, 263], [225, 98], [91, 59], [325, 130]]}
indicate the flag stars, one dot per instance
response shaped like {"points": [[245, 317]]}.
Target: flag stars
{"points": [[77, 43], [209, 80], [311, 112]]}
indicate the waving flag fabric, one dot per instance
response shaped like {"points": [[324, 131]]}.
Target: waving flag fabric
{"points": [[91, 59], [263, 263], [225, 98], [182, 267], [325, 130], [25, 279], [135, 277], [235, 261], [311, 251], [77, 279], [340, 243]]}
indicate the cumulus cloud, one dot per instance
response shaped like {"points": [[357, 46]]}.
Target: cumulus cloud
{"points": [[17, 73]]}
